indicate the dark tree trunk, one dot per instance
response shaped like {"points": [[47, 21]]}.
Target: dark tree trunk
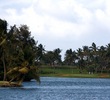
{"points": [[4, 66]]}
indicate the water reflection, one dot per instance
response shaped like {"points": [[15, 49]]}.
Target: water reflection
{"points": [[60, 89]]}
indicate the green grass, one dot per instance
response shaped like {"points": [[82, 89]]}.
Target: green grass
{"points": [[69, 72]]}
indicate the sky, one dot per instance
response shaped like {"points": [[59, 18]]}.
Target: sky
{"points": [[61, 24]]}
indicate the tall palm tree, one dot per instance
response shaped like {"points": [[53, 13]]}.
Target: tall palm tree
{"points": [[107, 56], [40, 52], [80, 53], [57, 55], [94, 56], [68, 57], [101, 58], [81, 62], [16, 47], [86, 53], [3, 38]]}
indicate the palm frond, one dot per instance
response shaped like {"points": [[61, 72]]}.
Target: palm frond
{"points": [[3, 41], [24, 70], [13, 70], [13, 73], [35, 73]]}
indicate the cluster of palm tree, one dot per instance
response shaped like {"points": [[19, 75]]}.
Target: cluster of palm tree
{"points": [[51, 58], [18, 53], [93, 58]]}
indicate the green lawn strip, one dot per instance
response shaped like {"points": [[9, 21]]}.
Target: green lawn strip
{"points": [[77, 75], [60, 70], [70, 72]]}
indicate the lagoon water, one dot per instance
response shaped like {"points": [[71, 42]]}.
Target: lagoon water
{"points": [[52, 88]]}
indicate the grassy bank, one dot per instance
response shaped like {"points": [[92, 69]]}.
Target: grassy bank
{"points": [[70, 72]]}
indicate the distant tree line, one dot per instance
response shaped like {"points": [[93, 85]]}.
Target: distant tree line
{"points": [[93, 58]]}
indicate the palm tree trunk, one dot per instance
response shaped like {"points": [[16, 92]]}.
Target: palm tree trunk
{"points": [[3, 59], [21, 80]]}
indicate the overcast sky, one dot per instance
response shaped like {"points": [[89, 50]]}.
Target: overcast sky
{"points": [[61, 24]]}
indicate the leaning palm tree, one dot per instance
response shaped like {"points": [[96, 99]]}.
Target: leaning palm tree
{"points": [[17, 74]]}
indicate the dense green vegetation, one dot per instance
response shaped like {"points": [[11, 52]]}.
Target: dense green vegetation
{"points": [[22, 58], [94, 59], [18, 54]]}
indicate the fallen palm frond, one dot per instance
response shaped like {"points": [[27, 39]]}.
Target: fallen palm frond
{"points": [[3, 41], [24, 70]]}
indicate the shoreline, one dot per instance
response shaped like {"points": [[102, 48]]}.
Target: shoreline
{"points": [[77, 75], [7, 84]]}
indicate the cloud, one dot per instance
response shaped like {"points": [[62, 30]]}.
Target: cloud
{"points": [[73, 22], [57, 18]]}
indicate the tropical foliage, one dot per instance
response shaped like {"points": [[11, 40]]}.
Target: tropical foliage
{"points": [[18, 53], [92, 58]]}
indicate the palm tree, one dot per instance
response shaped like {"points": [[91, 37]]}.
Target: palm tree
{"points": [[68, 57], [49, 58], [80, 53], [86, 53], [19, 73], [16, 47], [3, 38], [5, 44], [40, 53], [57, 55], [101, 58], [80, 56], [94, 56], [107, 57]]}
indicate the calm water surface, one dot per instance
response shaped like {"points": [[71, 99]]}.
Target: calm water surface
{"points": [[60, 89]]}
